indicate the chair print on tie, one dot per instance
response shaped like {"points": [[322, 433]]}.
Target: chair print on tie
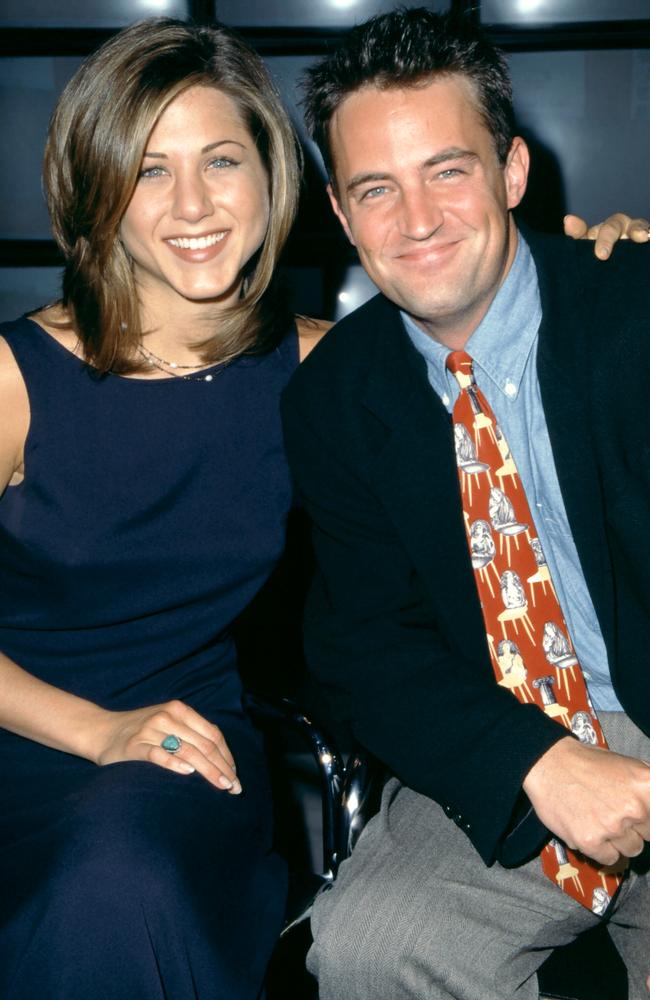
{"points": [[530, 648]]}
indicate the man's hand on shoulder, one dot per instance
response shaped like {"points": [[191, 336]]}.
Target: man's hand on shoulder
{"points": [[605, 234], [595, 800]]}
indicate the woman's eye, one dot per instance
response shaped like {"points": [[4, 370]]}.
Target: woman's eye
{"points": [[223, 161], [151, 172]]}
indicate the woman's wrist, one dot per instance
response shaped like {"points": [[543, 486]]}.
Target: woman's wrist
{"points": [[92, 732]]}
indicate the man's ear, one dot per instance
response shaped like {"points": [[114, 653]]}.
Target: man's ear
{"points": [[339, 213], [516, 171]]}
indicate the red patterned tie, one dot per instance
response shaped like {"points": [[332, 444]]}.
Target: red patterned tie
{"points": [[529, 642]]}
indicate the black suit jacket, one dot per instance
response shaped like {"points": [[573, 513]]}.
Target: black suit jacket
{"points": [[393, 629]]}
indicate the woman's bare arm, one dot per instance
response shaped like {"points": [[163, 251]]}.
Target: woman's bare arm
{"points": [[58, 719], [310, 332]]}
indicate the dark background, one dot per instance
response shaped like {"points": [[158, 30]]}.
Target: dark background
{"points": [[581, 71]]}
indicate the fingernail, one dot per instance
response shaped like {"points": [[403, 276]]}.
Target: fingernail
{"points": [[236, 788], [225, 782], [185, 768], [603, 253]]}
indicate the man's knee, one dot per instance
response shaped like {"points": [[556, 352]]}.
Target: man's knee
{"points": [[345, 957]]}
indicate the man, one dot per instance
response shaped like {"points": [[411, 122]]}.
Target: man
{"points": [[445, 895]]}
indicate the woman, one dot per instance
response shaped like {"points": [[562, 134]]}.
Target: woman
{"points": [[143, 499]]}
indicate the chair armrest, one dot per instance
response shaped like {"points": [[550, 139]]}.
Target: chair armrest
{"points": [[329, 763], [363, 781]]}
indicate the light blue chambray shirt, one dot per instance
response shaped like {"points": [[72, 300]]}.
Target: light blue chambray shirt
{"points": [[504, 349]]}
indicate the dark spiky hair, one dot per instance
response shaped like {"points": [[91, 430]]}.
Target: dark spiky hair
{"points": [[405, 48]]}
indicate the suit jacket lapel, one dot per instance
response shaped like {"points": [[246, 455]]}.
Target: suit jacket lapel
{"points": [[561, 382], [415, 475]]}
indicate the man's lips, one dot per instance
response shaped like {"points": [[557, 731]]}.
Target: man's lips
{"points": [[428, 254]]}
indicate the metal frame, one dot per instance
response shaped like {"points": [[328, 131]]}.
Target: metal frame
{"points": [[331, 769]]}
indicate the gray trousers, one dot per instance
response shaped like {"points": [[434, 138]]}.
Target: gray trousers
{"points": [[415, 913]]}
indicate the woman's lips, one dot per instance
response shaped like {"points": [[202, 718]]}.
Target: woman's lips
{"points": [[198, 249]]}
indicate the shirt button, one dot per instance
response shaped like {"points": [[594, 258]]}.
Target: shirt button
{"points": [[510, 389], [445, 399]]}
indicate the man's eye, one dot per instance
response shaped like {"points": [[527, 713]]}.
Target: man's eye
{"points": [[374, 192], [450, 172]]}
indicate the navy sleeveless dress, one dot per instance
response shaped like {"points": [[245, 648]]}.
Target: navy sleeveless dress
{"points": [[150, 514]]}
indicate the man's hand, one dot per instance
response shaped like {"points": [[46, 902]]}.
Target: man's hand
{"points": [[596, 801], [617, 227]]}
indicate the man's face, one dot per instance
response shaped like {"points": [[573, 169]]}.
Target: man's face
{"points": [[421, 194]]}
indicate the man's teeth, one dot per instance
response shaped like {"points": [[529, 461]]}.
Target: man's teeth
{"points": [[197, 242]]}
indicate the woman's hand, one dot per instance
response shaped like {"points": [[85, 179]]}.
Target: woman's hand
{"points": [[138, 734], [617, 227]]}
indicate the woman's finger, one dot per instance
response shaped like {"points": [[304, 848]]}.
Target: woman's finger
{"points": [[195, 721], [208, 761], [156, 755], [200, 751], [189, 760]]}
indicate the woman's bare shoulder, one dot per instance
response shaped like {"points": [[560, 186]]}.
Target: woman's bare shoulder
{"points": [[55, 320], [14, 417], [310, 331]]}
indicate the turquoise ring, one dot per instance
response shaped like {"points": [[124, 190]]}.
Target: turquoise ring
{"points": [[171, 744]]}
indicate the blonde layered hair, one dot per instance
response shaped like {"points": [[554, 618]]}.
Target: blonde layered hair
{"points": [[97, 138]]}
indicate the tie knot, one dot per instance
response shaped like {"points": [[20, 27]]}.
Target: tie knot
{"points": [[460, 364]]}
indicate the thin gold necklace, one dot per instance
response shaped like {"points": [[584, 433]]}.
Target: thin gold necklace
{"points": [[172, 367]]}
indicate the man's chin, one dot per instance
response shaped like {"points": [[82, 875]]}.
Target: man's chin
{"points": [[426, 310]]}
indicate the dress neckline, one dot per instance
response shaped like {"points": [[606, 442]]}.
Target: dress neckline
{"points": [[216, 369]]}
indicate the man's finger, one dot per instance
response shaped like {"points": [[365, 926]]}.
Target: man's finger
{"points": [[575, 227], [630, 844], [606, 235], [639, 230]]}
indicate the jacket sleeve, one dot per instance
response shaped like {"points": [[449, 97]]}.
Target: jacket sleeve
{"points": [[438, 721]]}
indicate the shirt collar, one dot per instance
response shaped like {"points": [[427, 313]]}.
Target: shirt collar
{"points": [[502, 342]]}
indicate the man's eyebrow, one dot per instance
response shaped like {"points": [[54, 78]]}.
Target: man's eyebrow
{"points": [[360, 179], [206, 149], [444, 156], [453, 153]]}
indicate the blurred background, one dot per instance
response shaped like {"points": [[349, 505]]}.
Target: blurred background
{"points": [[581, 72]]}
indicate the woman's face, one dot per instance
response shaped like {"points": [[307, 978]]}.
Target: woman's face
{"points": [[200, 209]]}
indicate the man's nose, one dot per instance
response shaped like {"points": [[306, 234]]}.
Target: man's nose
{"points": [[421, 213]]}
